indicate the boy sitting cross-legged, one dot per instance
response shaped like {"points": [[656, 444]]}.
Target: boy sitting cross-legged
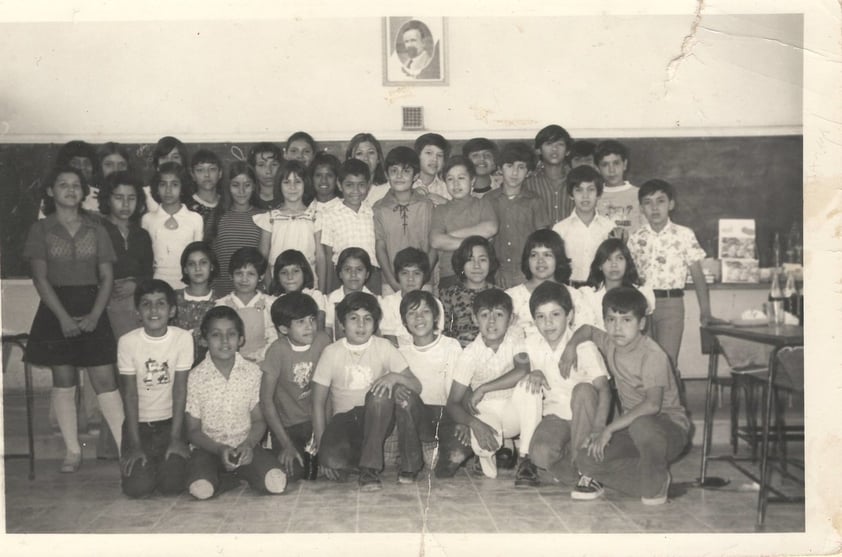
{"points": [[368, 382], [575, 406], [493, 411], [153, 363], [285, 386], [632, 454], [224, 422]]}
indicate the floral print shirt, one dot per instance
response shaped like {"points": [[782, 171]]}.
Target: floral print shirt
{"points": [[662, 258]]}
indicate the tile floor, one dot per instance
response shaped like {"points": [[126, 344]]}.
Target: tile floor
{"points": [[91, 502]]}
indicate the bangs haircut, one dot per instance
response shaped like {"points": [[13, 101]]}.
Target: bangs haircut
{"points": [[413, 257], [76, 148], [492, 298], [546, 238], [404, 157], [115, 180], [353, 167], [654, 186], [299, 169], [172, 169], [551, 134], [356, 301], [463, 254], [165, 146], [459, 160], [353, 252], [582, 175], [222, 312], [610, 147], [624, 299], [480, 144], [547, 292], [596, 278], [332, 164], [291, 307], [263, 148], [413, 301], [291, 257], [582, 148], [517, 152], [246, 256], [154, 286], [434, 139]]}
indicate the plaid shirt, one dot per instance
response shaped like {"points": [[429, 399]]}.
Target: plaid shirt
{"points": [[343, 228]]}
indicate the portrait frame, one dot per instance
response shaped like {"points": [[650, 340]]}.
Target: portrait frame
{"points": [[431, 62]]}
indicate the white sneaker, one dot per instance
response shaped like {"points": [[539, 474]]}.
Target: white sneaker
{"points": [[275, 481], [201, 489], [489, 466], [661, 497], [587, 489]]}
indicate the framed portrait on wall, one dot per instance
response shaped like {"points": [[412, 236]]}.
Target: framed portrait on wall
{"points": [[414, 50]]}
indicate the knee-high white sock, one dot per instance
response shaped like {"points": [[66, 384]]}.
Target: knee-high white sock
{"points": [[111, 406], [64, 403]]}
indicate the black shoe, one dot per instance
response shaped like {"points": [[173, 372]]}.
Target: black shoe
{"points": [[370, 479], [527, 474], [407, 478], [506, 458]]}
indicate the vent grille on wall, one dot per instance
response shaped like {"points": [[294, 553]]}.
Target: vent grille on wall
{"points": [[413, 118]]}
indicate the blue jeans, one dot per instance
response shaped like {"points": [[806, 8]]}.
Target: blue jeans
{"points": [[637, 459], [166, 475]]}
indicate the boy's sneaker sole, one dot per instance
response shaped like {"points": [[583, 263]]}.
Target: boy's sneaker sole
{"points": [[370, 481], [407, 478], [587, 492], [661, 497]]}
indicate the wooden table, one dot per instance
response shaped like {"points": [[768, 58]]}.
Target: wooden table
{"points": [[777, 336]]}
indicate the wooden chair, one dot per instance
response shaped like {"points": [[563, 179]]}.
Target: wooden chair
{"points": [[10, 341]]}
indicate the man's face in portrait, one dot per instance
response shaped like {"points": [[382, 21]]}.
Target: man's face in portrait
{"points": [[412, 42]]}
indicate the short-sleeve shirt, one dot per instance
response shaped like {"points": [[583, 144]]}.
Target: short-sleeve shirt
{"points": [[663, 258], [457, 214], [589, 366], [402, 225], [479, 364], [155, 361], [518, 218], [343, 227], [392, 324], [642, 365], [433, 365], [288, 231], [293, 366], [581, 241], [350, 369], [620, 205], [524, 324], [224, 405], [71, 260]]}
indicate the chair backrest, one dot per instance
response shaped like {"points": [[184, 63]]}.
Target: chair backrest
{"points": [[790, 373]]}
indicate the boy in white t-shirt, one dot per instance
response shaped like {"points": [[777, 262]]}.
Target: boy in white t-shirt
{"points": [[432, 359], [153, 362], [361, 373], [412, 269], [619, 198]]}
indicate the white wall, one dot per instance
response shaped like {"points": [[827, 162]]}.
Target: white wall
{"points": [[248, 80]]}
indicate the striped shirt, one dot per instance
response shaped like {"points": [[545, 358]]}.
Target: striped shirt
{"points": [[236, 230], [552, 192]]}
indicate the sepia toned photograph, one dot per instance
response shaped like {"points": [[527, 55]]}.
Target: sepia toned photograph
{"points": [[521, 280]]}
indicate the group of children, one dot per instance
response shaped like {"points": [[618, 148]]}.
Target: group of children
{"points": [[279, 322]]}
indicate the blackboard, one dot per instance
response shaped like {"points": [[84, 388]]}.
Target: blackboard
{"points": [[715, 177]]}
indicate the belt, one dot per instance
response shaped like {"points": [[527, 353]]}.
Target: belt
{"points": [[672, 293], [157, 423]]}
